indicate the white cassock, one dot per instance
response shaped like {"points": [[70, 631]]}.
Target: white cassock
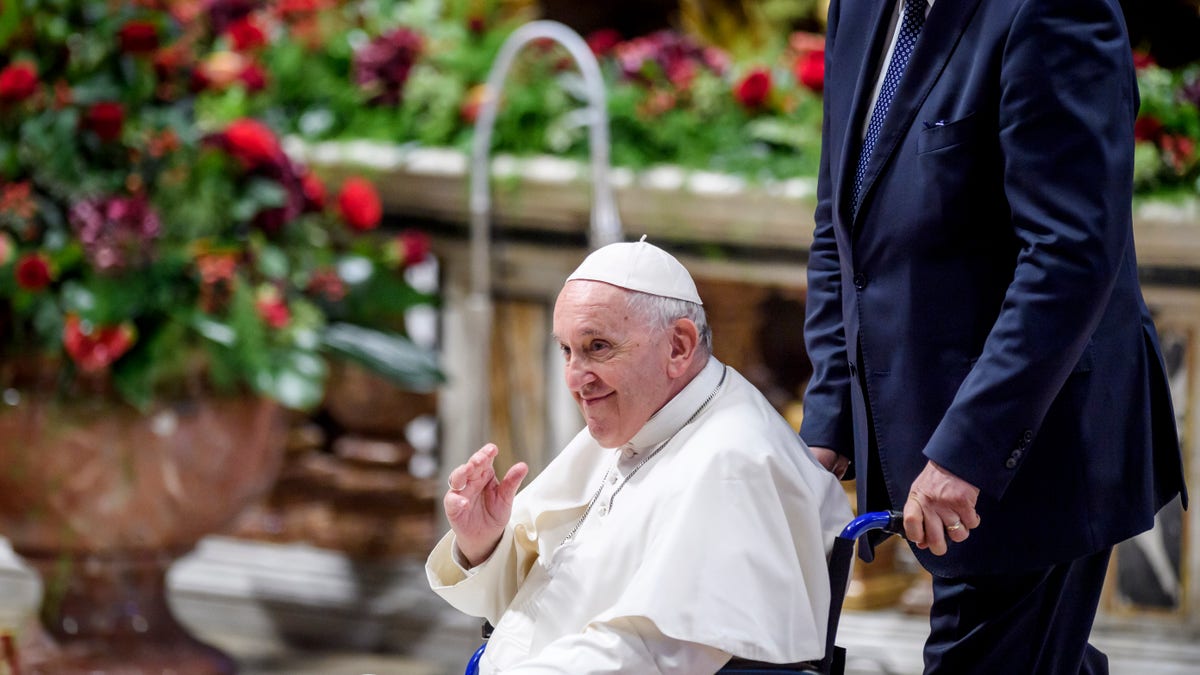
{"points": [[715, 545]]}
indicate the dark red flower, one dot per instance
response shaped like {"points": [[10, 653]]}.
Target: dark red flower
{"points": [[1142, 60], [327, 284], [224, 13], [252, 143], [253, 77], [603, 41], [754, 89], [105, 119], [381, 67], [18, 81], [314, 192], [33, 272], [359, 204], [1147, 128], [94, 348], [245, 34], [810, 70], [407, 248], [138, 37], [476, 24]]}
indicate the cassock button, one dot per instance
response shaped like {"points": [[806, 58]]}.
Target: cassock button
{"points": [[860, 281], [603, 510], [1011, 463], [612, 478]]}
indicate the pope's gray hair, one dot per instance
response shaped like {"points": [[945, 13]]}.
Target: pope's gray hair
{"points": [[660, 312]]}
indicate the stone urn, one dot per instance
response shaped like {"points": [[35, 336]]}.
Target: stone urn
{"points": [[100, 499]]}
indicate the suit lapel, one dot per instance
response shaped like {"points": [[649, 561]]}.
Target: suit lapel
{"points": [[943, 29]]}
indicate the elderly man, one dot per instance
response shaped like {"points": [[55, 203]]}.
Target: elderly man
{"points": [[686, 524]]}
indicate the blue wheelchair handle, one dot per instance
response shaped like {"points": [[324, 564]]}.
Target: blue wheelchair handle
{"points": [[891, 522]]}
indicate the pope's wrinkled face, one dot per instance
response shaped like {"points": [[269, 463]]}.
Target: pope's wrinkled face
{"points": [[616, 365]]}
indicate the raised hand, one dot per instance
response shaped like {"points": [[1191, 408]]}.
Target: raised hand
{"points": [[479, 504]]}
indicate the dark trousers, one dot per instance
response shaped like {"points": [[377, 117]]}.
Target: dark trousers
{"points": [[1031, 623]]}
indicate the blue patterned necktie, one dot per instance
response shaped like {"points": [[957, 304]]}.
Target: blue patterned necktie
{"points": [[910, 27]]}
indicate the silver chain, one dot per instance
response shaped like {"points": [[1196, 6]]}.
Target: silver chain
{"points": [[650, 455]]}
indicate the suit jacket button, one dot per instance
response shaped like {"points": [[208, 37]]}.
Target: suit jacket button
{"points": [[1011, 463], [1027, 436], [860, 281]]}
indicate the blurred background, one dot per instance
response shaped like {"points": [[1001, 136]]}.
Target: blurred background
{"points": [[269, 269]]}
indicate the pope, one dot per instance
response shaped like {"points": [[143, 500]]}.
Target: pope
{"points": [[685, 525]]}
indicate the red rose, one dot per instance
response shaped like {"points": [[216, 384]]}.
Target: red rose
{"points": [[1142, 60], [476, 24], [138, 37], [18, 81], [33, 272], [252, 143], [753, 90], [104, 119], [272, 307], [359, 204], [253, 77], [314, 192], [94, 348], [407, 248], [603, 41], [1147, 128], [245, 34], [810, 70]]}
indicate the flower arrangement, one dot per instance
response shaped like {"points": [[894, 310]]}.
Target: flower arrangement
{"points": [[411, 72], [1167, 132], [143, 243]]}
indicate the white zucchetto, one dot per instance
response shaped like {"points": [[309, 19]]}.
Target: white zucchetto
{"points": [[639, 266]]}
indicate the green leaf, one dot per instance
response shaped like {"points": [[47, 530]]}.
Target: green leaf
{"points": [[295, 378], [10, 19], [392, 356]]}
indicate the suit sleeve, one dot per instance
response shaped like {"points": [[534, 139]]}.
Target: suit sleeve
{"points": [[1067, 104], [827, 421]]}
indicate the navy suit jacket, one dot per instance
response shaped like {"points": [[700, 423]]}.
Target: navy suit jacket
{"points": [[985, 294]]}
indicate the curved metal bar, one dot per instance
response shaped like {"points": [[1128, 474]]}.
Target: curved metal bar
{"points": [[892, 521], [605, 227]]}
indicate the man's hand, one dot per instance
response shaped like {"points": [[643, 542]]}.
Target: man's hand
{"points": [[940, 507], [478, 504], [833, 462]]}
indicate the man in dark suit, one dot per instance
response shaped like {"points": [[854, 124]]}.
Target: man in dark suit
{"points": [[983, 356]]}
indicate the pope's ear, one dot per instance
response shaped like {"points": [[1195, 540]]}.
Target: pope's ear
{"points": [[685, 343]]}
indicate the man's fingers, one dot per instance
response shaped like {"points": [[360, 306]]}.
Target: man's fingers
{"points": [[512, 480]]}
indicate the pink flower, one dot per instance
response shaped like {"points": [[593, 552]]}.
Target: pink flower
{"points": [[18, 81], [754, 89], [359, 204], [116, 232], [314, 192]]}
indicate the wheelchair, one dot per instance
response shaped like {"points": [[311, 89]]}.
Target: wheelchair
{"points": [[840, 559]]}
